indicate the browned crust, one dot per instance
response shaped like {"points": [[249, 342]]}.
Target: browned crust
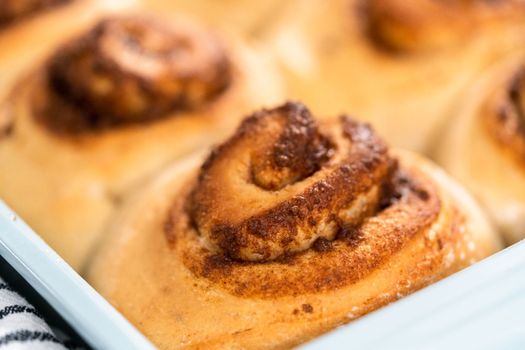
{"points": [[12, 11], [131, 70], [503, 116], [409, 204]]}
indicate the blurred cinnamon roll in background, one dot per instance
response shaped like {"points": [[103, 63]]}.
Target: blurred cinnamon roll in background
{"points": [[485, 145], [134, 70], [31, 29], [400, 64], [288, 229], [109, 108], [417, 25]]}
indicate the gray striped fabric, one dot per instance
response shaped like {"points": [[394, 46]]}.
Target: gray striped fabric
{"points": [[21, 325]]}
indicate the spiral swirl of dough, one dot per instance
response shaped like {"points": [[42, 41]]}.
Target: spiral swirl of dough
{"points": [[298, 205], [305, 183]]}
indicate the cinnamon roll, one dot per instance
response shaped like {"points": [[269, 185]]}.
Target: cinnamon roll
{"points": [[400, 64], [30, 29], [111, 107], [485, 146], [288, 229]]}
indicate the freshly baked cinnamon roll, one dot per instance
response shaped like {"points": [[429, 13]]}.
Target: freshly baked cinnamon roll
{"points": [[30, 29], [109, 108], [485, 147], [288, 229], [399, 63]]}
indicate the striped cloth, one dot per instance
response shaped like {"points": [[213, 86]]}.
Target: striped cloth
{"points": [[21, 325]]}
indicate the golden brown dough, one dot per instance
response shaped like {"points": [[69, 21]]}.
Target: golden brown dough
{"points": [[485, 146], [111, 107], [400, 64], [245, 17], [16, 10], [288, 229]]}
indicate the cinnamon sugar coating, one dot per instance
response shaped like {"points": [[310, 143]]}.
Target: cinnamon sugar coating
{"points": [[297, 151]]}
